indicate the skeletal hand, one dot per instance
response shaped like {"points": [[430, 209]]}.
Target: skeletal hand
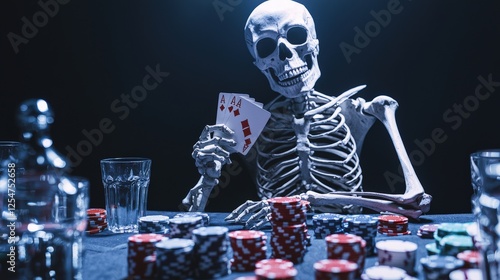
{"points": [[253, 213], [211, 152], [213, 149]]}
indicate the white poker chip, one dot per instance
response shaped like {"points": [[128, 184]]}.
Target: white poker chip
{"points": [[154, 218], [468, 273], [399, 246], [384, 272]]}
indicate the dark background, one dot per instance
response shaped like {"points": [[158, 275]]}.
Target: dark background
{"points": [[428, 57]]}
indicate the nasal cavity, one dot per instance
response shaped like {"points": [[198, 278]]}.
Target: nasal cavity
{"points": [[284, 52]]}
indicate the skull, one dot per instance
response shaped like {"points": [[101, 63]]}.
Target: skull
{"points": [[281, 37]]}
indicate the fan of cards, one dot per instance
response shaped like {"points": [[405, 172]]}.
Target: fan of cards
{"points": [[244, 116]]}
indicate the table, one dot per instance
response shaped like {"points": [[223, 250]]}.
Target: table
{"points": [[105, 254]]}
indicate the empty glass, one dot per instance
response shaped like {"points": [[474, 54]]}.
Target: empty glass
{"points": [[126, 183]]}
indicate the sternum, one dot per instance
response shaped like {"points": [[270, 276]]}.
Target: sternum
{"points": [[301, 128]]}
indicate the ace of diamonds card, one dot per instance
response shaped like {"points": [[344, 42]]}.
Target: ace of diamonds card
{"points": [[244, 116]]}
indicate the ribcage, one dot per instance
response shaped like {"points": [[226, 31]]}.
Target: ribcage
{"points": [[312, 153]]}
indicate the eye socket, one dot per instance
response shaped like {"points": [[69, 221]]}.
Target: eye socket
{"points": [[296, 35], [265, 47]]}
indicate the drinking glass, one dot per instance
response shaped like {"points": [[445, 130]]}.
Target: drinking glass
{"points": [[126, 183], [50, 220], [485, 179]]}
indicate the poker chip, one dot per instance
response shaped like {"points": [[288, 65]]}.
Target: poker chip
{"points": [[174, 258], [397, 253], [289, 237], [364, 226], [393, 225], [96, 220], [327, 223], [454, 245], [211, 249], [182, 227], [466, 273], [348, 247], [384, 272], [451, 245], [91, 212], [452, 228], [335, 269], [427, 230], [141, 258], [154, 224], [277, 269], [439, 267], [248, 247], [471, 258], [432, 249], [205, 218]]}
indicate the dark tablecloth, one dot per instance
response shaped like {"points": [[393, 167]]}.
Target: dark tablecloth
{"points": [[105, 254]]}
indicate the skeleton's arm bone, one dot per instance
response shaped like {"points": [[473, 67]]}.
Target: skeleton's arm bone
{"points": [[318, 199]]}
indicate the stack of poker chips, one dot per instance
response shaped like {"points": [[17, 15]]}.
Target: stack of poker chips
{"points": [[249, 247], [364, 226], [205, 218], [471, 258], [182, 227], [349, 247], [450, 239], [393, 225], [335, 269], [397, 253], [275, 269], [440, 267], [211, 252], [174, 258], [96, 220], [327, 223], [289, 230], [154, 224], [141, 258], [427, 230]]}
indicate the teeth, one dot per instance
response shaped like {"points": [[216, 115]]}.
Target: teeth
{"points": [[293, 73], [295, 80]]}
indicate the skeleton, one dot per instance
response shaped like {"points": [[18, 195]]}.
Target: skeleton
{"points": [[311, 145]]}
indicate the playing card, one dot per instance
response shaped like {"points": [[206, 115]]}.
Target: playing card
{"points": [[222, 105], [246, 118]]}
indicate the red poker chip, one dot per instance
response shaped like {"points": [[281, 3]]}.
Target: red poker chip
{"points": [[97, 217], [393, 219], [343, 238], [280, 269], [471, 258], [274, 262], [146, 238], [408, 232], [246, 234], [338, 266], [96, 212], [285, 200], [428, 228], [386, 230]]}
